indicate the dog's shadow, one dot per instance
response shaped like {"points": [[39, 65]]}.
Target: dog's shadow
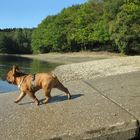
{"points": [[56, 99], [60, 98]]}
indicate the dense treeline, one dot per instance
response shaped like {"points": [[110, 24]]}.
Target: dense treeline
{"points": [[15, 40], [112, 25]]}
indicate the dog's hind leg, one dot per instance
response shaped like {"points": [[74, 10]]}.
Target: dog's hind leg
{"points": [[61, 87], [22, 94]]}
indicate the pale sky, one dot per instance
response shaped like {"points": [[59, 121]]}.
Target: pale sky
{"points": [[29, 13]]}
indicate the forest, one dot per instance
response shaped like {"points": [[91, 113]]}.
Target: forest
{"points": [[97, 25], [15, 41]]}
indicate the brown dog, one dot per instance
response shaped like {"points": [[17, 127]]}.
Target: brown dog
{"points": [[29, 84]]}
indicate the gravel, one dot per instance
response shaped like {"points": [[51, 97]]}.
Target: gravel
{"points": [[97, 68]]}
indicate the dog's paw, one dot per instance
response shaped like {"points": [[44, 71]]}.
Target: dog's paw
{"points": [[15, 101], [45, 101], [37, 103], [69, 96]]}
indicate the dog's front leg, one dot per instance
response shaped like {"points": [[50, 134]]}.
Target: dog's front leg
{"points": [[22, 94]]}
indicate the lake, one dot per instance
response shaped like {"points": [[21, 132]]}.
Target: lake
{"points": [[26, 65]]}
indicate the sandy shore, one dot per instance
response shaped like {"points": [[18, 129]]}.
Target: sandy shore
{"points": [[98, 68], [68, 58], [89, 65]]}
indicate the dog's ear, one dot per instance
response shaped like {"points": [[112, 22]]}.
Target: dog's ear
{"points": [[15, 69]]}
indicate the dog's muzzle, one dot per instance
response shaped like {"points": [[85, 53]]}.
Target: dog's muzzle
{"points": [[9, 82]]}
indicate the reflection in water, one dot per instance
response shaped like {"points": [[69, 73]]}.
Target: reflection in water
{"points": [[26, 65]]}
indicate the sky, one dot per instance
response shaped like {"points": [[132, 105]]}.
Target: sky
{"points": [[30, 13]]}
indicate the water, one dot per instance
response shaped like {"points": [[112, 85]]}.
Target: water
{"points": [[26, 65]]}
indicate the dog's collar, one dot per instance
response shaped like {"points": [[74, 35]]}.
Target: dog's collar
{"points": [[19, 85]]}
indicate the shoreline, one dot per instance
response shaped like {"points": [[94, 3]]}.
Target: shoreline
{"points": [[75, 57], [88, 65], [98, 68], [68, 58]]}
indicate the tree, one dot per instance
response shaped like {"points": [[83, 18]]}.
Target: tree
{"points": [[15, 40], [103, 24], [22, 38], [3, 48], [125, 28]]}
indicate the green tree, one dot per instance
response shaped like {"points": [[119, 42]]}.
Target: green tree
{"points": [[42, 37], [3, 48], [15, 40], [103, 24], [22, 38], [125, 28]]}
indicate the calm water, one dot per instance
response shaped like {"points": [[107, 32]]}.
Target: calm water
{"points": [[27, 66]]}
